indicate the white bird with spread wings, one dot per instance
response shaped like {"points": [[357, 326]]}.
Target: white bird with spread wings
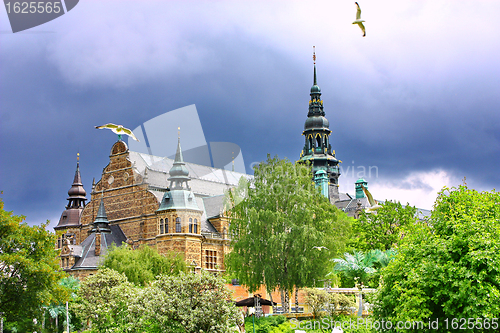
{"points": [[359, 21], [118, 129], [374, 205]]}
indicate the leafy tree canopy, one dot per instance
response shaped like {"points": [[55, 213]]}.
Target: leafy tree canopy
{"points": [[142, 265], [283, 230], [185, 303], [29, 271], [383, 230], [450, 267]]}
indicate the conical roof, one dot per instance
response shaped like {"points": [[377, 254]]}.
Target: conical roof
{"points": [[101, 222], [178, 173], [77, 190]]}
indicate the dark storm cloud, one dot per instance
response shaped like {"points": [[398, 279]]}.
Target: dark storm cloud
{"points": [[410, 102]]}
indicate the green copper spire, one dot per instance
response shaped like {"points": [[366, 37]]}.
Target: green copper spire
{"points": [[101, 222], [179, 174]]}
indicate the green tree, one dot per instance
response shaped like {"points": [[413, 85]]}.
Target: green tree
{"points": [[185, 303], [283, 230], [142, 265], [29, 271], [317, 299], [103, 300], [383, 230], [192, 303], [362, 267], [449, 267]]}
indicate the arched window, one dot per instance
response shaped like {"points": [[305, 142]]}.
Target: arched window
{"points": [[166, 226], [162, 226], [178, 224], [318, 141], [190, 225], [195, 226], [326, 141], [310, 141]]}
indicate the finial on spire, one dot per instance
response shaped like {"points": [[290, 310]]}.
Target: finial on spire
{"points": [[314, 59], [178, 133], [77, 157]]}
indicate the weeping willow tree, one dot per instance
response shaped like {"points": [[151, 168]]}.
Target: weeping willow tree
{"points": [[283, 230]]}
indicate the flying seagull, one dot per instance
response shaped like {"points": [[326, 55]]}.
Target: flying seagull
{"points": [[359, 21], [320, 247], [118, 129], [373, 203]]}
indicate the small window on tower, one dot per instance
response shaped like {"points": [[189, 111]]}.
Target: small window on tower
{"points": [[318, 141], [162, 226], [190, 225], [195, 226], [178, 224], [166, 226]]}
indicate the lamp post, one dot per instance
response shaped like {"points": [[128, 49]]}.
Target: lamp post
{"points": [[252, 312], [67, 318]]}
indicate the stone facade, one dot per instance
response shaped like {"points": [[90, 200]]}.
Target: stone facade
{"points": [[131, 204]]}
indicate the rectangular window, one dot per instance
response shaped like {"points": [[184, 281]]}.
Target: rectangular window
{"points": [[161, 226], [210, 259], [178, 224]]}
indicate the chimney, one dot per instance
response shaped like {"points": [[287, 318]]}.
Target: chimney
{"points": [[98, 243]]}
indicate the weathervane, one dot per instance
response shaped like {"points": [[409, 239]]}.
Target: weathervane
{"points": [[314, 54]]}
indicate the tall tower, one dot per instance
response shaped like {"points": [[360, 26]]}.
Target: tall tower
{"points": [[317, 149], [179, 216]]}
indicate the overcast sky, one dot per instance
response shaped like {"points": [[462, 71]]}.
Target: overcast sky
{"points": [[418, 97]]}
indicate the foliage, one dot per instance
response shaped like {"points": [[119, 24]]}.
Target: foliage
{"points": [[383, 230], [450, 267], [58, 310], [317, 299], [142, 265], [103, 298], [29, 269], [340, 302], [280, 218], [197, 302], [184, 303], [271, 324], [355, 266], [360, 267]]}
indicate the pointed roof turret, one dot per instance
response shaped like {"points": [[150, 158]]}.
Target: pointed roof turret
{"points": [[101, 222], [317, 147], [76, 201], [179, 174], [77, 191]]}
